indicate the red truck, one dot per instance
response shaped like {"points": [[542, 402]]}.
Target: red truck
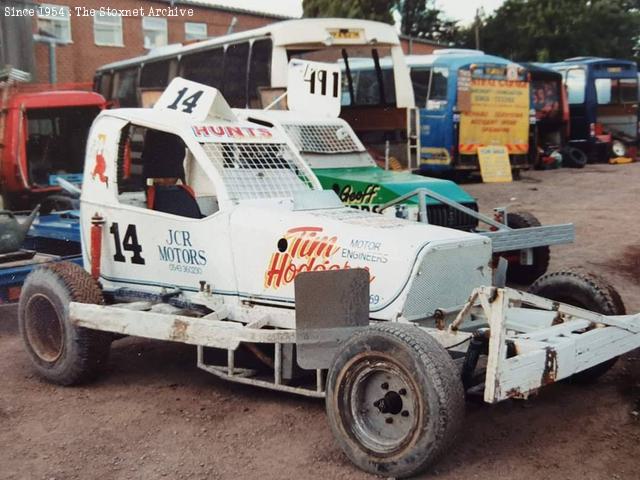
{"points": [[43, 133]]}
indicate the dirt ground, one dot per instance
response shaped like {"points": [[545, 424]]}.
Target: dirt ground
{"points": [[154, 414]]}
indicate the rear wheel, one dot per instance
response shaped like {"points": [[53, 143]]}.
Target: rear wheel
{"points": [[59, 351], [394, 399], [517, 272], [584, 290]]}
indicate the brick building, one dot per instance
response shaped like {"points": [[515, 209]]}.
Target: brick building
{"points": [[87, 39], [419, 46], [92, 40]]}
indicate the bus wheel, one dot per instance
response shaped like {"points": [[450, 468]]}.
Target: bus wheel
{"points": [[585, 290], [394, 399], [60, 352], [525, 274]]}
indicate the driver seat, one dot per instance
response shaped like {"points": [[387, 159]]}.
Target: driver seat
{"points": [[174, 199]]}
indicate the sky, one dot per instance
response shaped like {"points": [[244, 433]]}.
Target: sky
{"points": [[463, 10]]}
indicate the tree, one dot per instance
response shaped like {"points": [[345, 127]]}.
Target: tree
{"points": [[552, 30], [379, 10], [420, 18]]}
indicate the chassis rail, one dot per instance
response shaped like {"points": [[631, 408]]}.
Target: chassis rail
{"points": [[548, 343], [528, 347]]}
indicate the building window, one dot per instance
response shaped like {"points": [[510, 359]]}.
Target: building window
{"points": [[55, 21], [107, 30], [195, 31], [154, 31]]}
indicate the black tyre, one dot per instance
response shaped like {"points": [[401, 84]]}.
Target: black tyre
{"points": [[60, 352], [525, 274], [584, 290], [394, 399], [58, 203], [574, 158], [12, 203]]}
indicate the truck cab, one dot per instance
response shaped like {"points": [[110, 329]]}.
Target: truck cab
{"points": [[467, 100], [43, 133]]}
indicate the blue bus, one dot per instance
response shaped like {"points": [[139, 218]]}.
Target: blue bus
{"points": [[468, 99], [549, 99], [603, 105]]}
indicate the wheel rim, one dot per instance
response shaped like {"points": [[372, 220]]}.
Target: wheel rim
{"points": [[618, 148], [43, 328], [381, 406]]}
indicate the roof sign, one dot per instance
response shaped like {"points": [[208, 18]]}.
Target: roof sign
{"points": [[195, 100]]}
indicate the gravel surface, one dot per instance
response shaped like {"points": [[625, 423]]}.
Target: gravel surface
{"points": [[155, 415]]}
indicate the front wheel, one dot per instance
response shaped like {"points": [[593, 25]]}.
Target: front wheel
{"points": [[59, 351], [584, 290], [394, 399]]}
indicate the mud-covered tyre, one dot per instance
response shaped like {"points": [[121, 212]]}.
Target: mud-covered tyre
{"points": [[526, 274], [585, 290], [60, 352], [394, 399]]}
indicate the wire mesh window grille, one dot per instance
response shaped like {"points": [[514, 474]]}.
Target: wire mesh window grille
{"points": [[257, 170], [324, 138]]}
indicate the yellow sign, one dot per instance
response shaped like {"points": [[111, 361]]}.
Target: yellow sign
{"points": [[495, 71], [494, 164], [346, 33], [499, 115]]}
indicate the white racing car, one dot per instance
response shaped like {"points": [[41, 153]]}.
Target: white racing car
{"points": [[203, 229]]}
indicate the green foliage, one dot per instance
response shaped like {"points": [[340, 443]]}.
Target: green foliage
{"points": [[420, 18], [379, 10], [551, 30], [541, 30]]}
